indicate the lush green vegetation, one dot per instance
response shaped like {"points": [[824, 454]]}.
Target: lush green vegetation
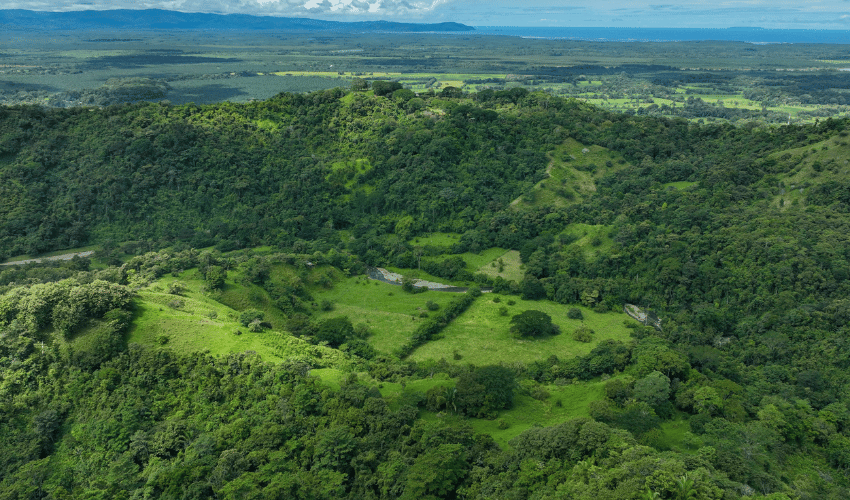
{"points": [[228, 344]]}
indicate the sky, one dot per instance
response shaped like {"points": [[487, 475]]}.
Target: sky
{"points": [[787, 14]]}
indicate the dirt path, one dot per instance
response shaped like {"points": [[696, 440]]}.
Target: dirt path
{"points": [[381, 274], [67, 256]]}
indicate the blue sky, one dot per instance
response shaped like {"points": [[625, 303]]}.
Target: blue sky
{"points": [[820, 14]]}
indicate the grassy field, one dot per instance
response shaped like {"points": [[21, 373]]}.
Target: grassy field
{"points": [[573, 170], [436, 239], [528, 412], [511, 265], [389, 312], [592, 239], [193, 322], [680, 184], [482, 336]]}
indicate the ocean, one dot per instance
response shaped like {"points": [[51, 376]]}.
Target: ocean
{"points": [[749, 35]]}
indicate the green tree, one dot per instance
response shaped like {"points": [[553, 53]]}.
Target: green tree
{"points": [[436, 473], [335, 331], [485, 390], [383, 87], [654, 389], [215, 277], [532, 323]]}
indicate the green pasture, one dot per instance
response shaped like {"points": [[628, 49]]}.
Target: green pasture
{"points": [[390, 313], [194, 321], [482, 336], [680, 185], [573, 170], [528, 412], [831, 155], [188, 324], [512, 267], [436, 239], [676, 435], [592, 239]]}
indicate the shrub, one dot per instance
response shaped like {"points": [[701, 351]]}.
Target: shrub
{"points": [[583, 334], [432, 306], [575, 313], [177, 288], [249, 315]]}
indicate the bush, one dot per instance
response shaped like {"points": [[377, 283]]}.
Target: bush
{"points": [[177, 288], [432, 306], [249, 315], [583, 334], [255, 326], [575, 313], [326, 305]]}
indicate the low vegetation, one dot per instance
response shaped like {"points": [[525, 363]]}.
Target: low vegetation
{"points": [[225, 338]]}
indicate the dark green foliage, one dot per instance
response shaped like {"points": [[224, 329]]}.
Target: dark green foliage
{"points": [[575, 313], [335, 331], [533, 323], [532, 289], [383, 88], [583, 334], [436, 323], [215, 277], [249, 315], [484, 391], [751, 348]]}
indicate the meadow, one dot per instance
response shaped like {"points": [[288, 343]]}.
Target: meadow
{"points": [[482, 334]]}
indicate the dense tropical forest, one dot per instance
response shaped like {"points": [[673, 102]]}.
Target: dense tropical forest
{"points": [[224, 341]]}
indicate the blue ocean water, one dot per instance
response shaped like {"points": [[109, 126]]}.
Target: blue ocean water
{"points": [[750, 35]]}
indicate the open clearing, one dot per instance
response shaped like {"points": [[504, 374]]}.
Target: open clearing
{"points": [[482, 336]]}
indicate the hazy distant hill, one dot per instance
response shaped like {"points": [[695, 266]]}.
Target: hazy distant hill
{"points": [[166, 19]]}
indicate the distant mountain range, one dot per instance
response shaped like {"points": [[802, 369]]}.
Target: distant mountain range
{"points": [[167, 19]]}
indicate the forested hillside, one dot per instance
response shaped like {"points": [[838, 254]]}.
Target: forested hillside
{"points": [[235, 217]]}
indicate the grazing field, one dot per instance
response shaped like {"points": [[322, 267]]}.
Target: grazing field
{"points": [[389, 312], [195, 322], [482, 335], [564, 403], [436, 239], [508, 266]]}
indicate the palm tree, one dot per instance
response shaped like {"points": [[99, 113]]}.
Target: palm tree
{"points": [[685, 488]]}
